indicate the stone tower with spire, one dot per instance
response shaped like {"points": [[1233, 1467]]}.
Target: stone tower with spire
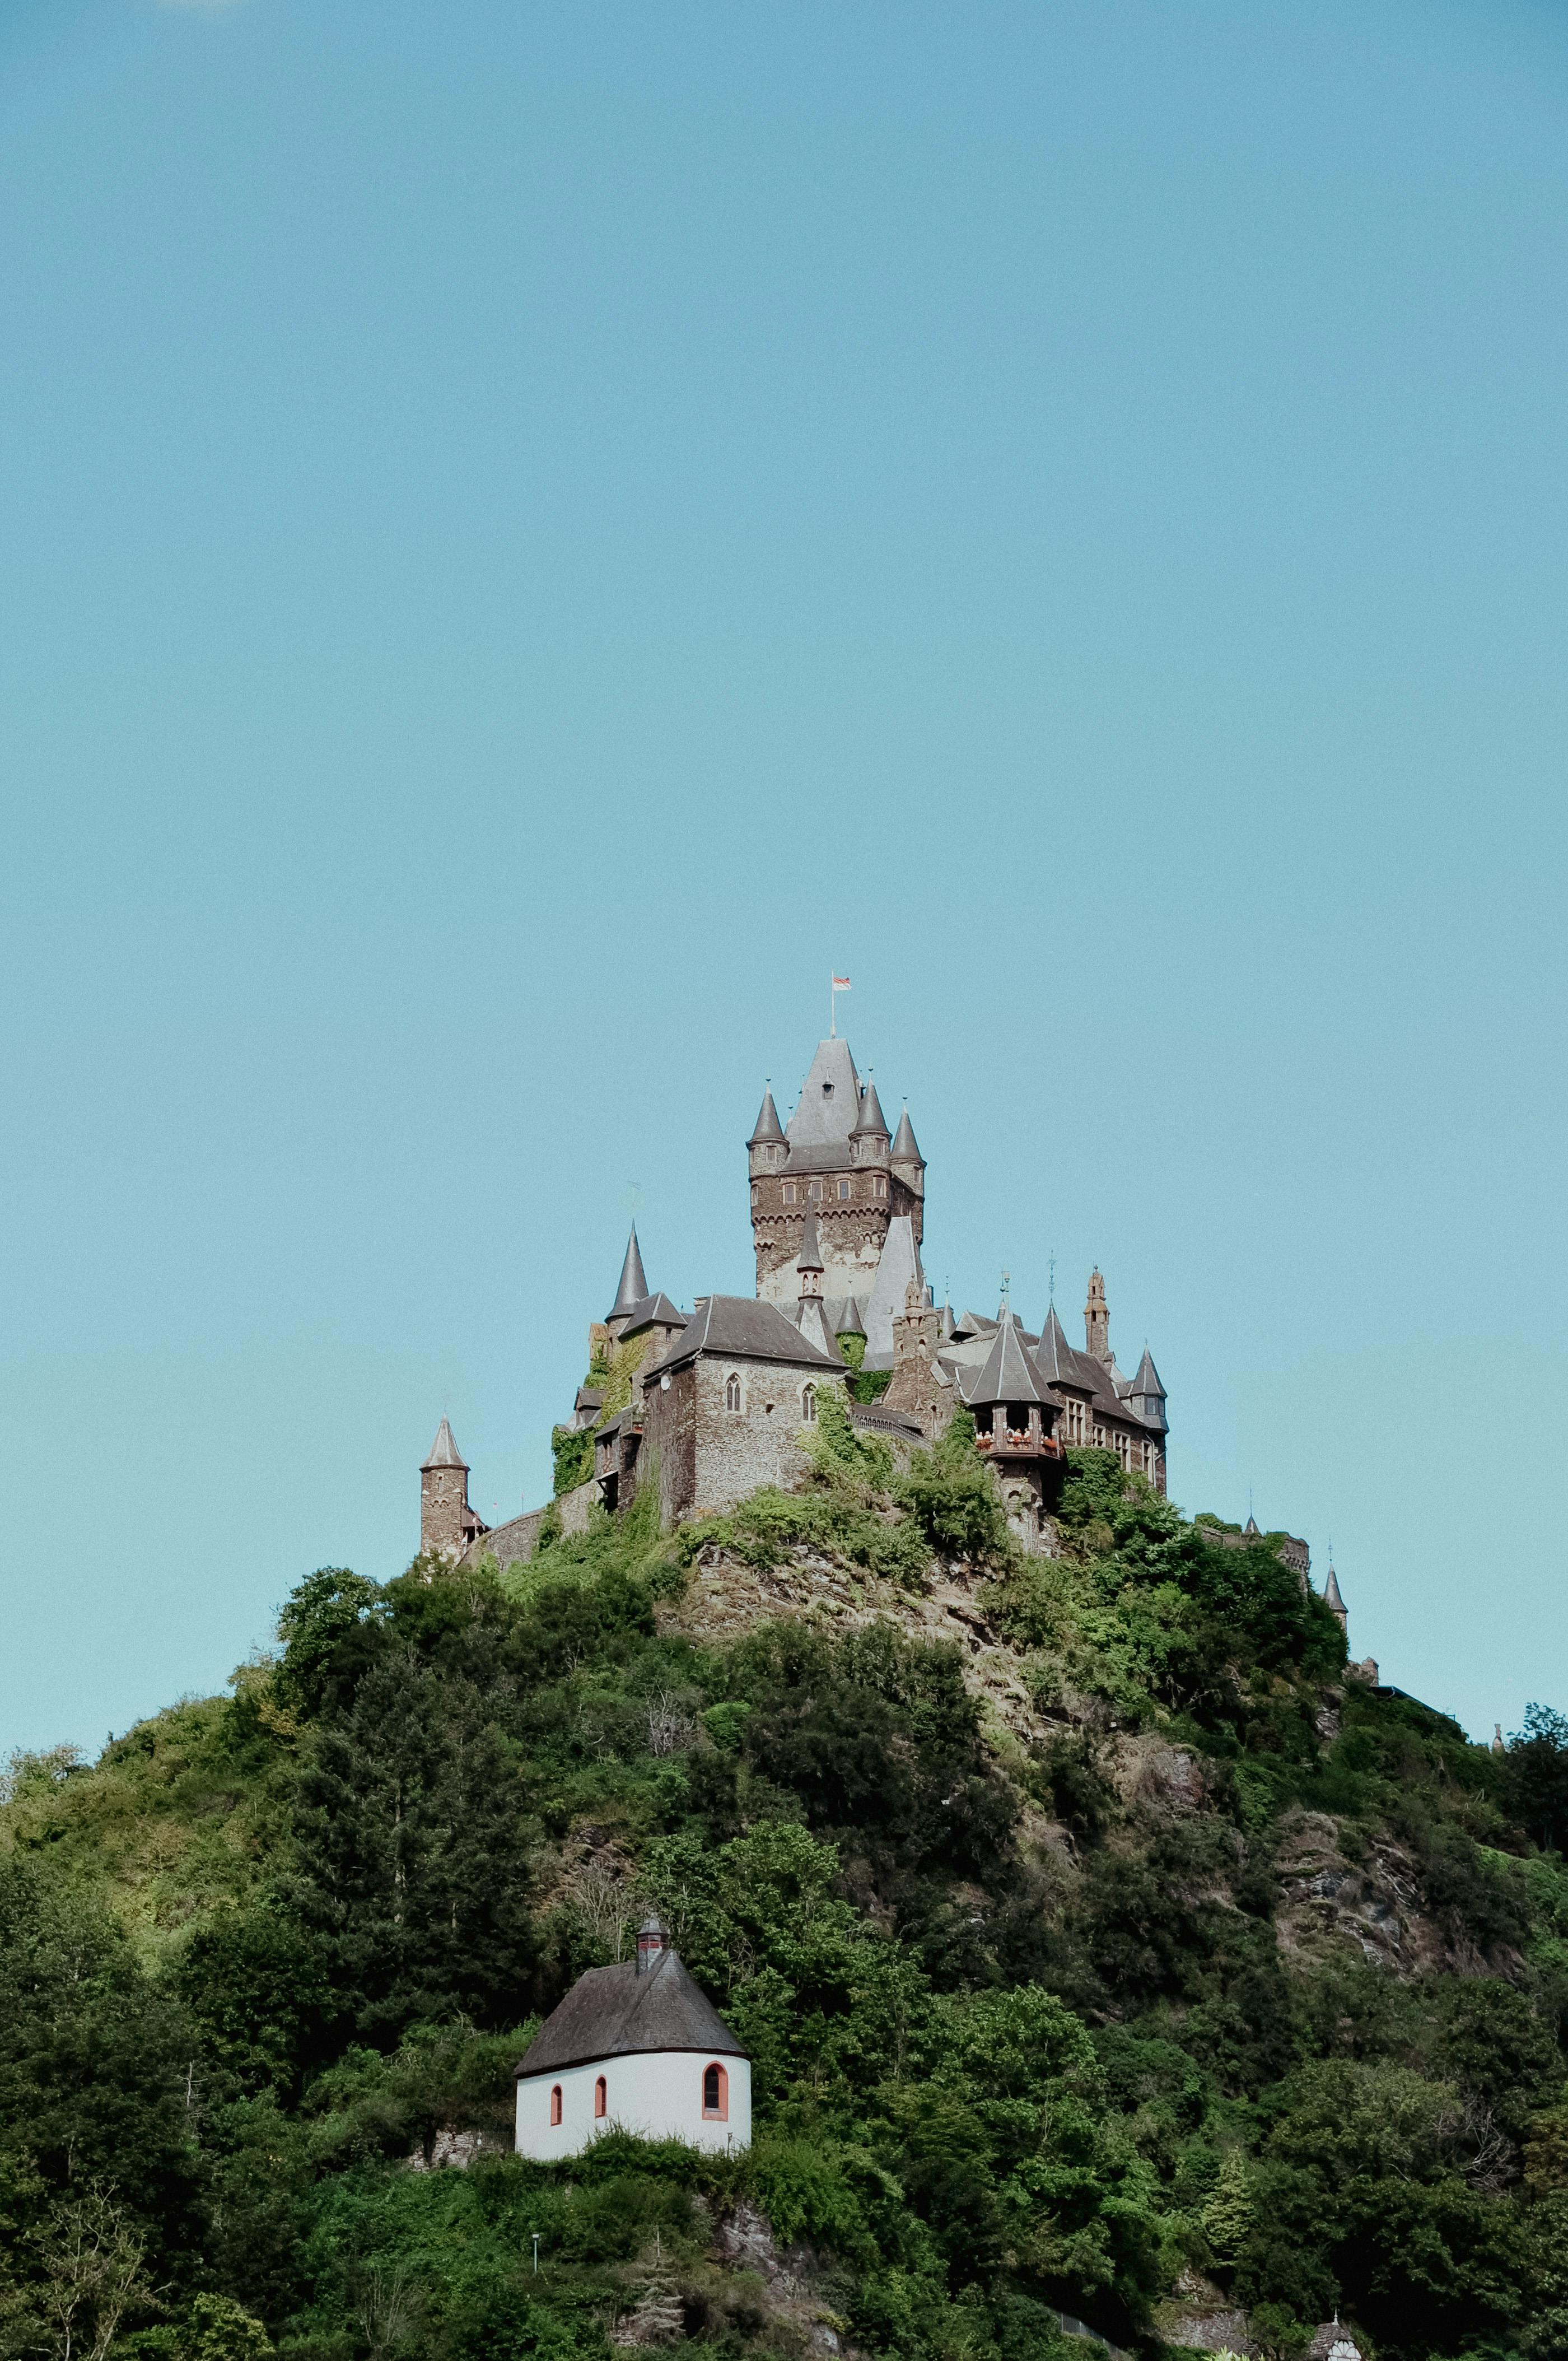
{"points": [[446, 1523], [836, 1159]]}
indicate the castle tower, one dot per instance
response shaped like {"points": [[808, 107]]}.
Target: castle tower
{"points": [[833, 1159], [446, 1522], [1097, 1319]]}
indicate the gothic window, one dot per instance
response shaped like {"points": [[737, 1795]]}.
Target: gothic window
{"points": [[732, 1392], [715, 2095], [843, 1191], [808, 1404], [601, 2097], [555, 2104]]}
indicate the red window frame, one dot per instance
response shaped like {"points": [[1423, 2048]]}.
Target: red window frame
{"points": [[555, 2105], [721, 2112], [601, 2098]]}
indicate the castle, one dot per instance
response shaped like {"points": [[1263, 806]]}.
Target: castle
{"points": [[707, 1405]]}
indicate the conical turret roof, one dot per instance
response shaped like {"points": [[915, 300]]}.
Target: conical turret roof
{"points": [[948, 1323], [633, 1289], [1053, 1354], [811, 1255], [870, 1118], [904, 1139], [1332, 1598], [1146, 1381], [1007, 1376], [444, 1451], [768, 1129]]}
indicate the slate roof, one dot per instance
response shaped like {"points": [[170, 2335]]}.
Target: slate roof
{"points": [[830, 1099], [1331, 1593], [811, 1255], [633, 1289], [444, 1451], [768, 1127], [615, 2011], [1146, 1381], [904, 1139], [1007, 1376], [870, 1118], [741, 1328], [1059, 1364], [653, 1311]]}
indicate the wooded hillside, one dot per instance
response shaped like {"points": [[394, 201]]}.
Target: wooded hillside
{"points": [[1115, 1954]]}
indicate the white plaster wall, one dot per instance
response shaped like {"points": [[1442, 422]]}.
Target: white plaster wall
{"points": [[655, 2093]]}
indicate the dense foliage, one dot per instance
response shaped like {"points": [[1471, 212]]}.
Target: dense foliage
{"points": [[1208, 1977]]}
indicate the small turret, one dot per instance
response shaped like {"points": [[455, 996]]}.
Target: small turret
{"points": [[1336, 1604], [767, 1147], [1097, 1319], [808, 1261], [633, 1289], [1146, 1395], [870, 1135], [446, 1523], [905, 1157]]}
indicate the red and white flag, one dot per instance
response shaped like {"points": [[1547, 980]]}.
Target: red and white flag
{"points": [[841, 983]]}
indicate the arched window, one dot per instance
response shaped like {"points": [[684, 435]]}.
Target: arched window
{"points": [[732, 1392], [808, 1404], [601, 2097], [715, 2094], [555, 2104], [843, 1191]]}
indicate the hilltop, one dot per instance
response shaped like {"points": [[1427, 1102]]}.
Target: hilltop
{"points": [[1102, 1944]]}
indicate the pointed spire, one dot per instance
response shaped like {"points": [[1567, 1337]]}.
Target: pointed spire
{"points": [[444, 1451], [903, 1145], [1052, 1354], [633, 1289], [811, 1255], [768, 1131], [948, 1323], [869, 1118], [1332, 1598]]}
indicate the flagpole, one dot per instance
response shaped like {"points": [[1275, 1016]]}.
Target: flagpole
{"points": [[833, 1011]]}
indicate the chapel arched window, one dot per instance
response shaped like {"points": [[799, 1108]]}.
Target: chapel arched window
{"points": [[732, 1393], [555, 2104]]}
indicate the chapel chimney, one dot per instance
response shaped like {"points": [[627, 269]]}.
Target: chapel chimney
{"points": [[652, 1938]]}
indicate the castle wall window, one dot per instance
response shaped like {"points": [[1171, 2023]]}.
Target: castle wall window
{"points": [[791, 1192], [879, 1184], [814, 1193], [732, 1392], [715, 2094], [843, 1191], [808, 1405]]}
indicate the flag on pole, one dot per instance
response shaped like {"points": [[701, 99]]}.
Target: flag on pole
{"points": [[841, 983]]}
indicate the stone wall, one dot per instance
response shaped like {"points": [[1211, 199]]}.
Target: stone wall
{"points": [[518, 1539], [708, 1456]]}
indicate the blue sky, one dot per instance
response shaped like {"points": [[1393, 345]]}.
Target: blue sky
{"points": [[527, 537]]}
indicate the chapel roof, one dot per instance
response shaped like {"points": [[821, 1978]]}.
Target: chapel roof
{"points": [[617, 2012], [904, 1140]]}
